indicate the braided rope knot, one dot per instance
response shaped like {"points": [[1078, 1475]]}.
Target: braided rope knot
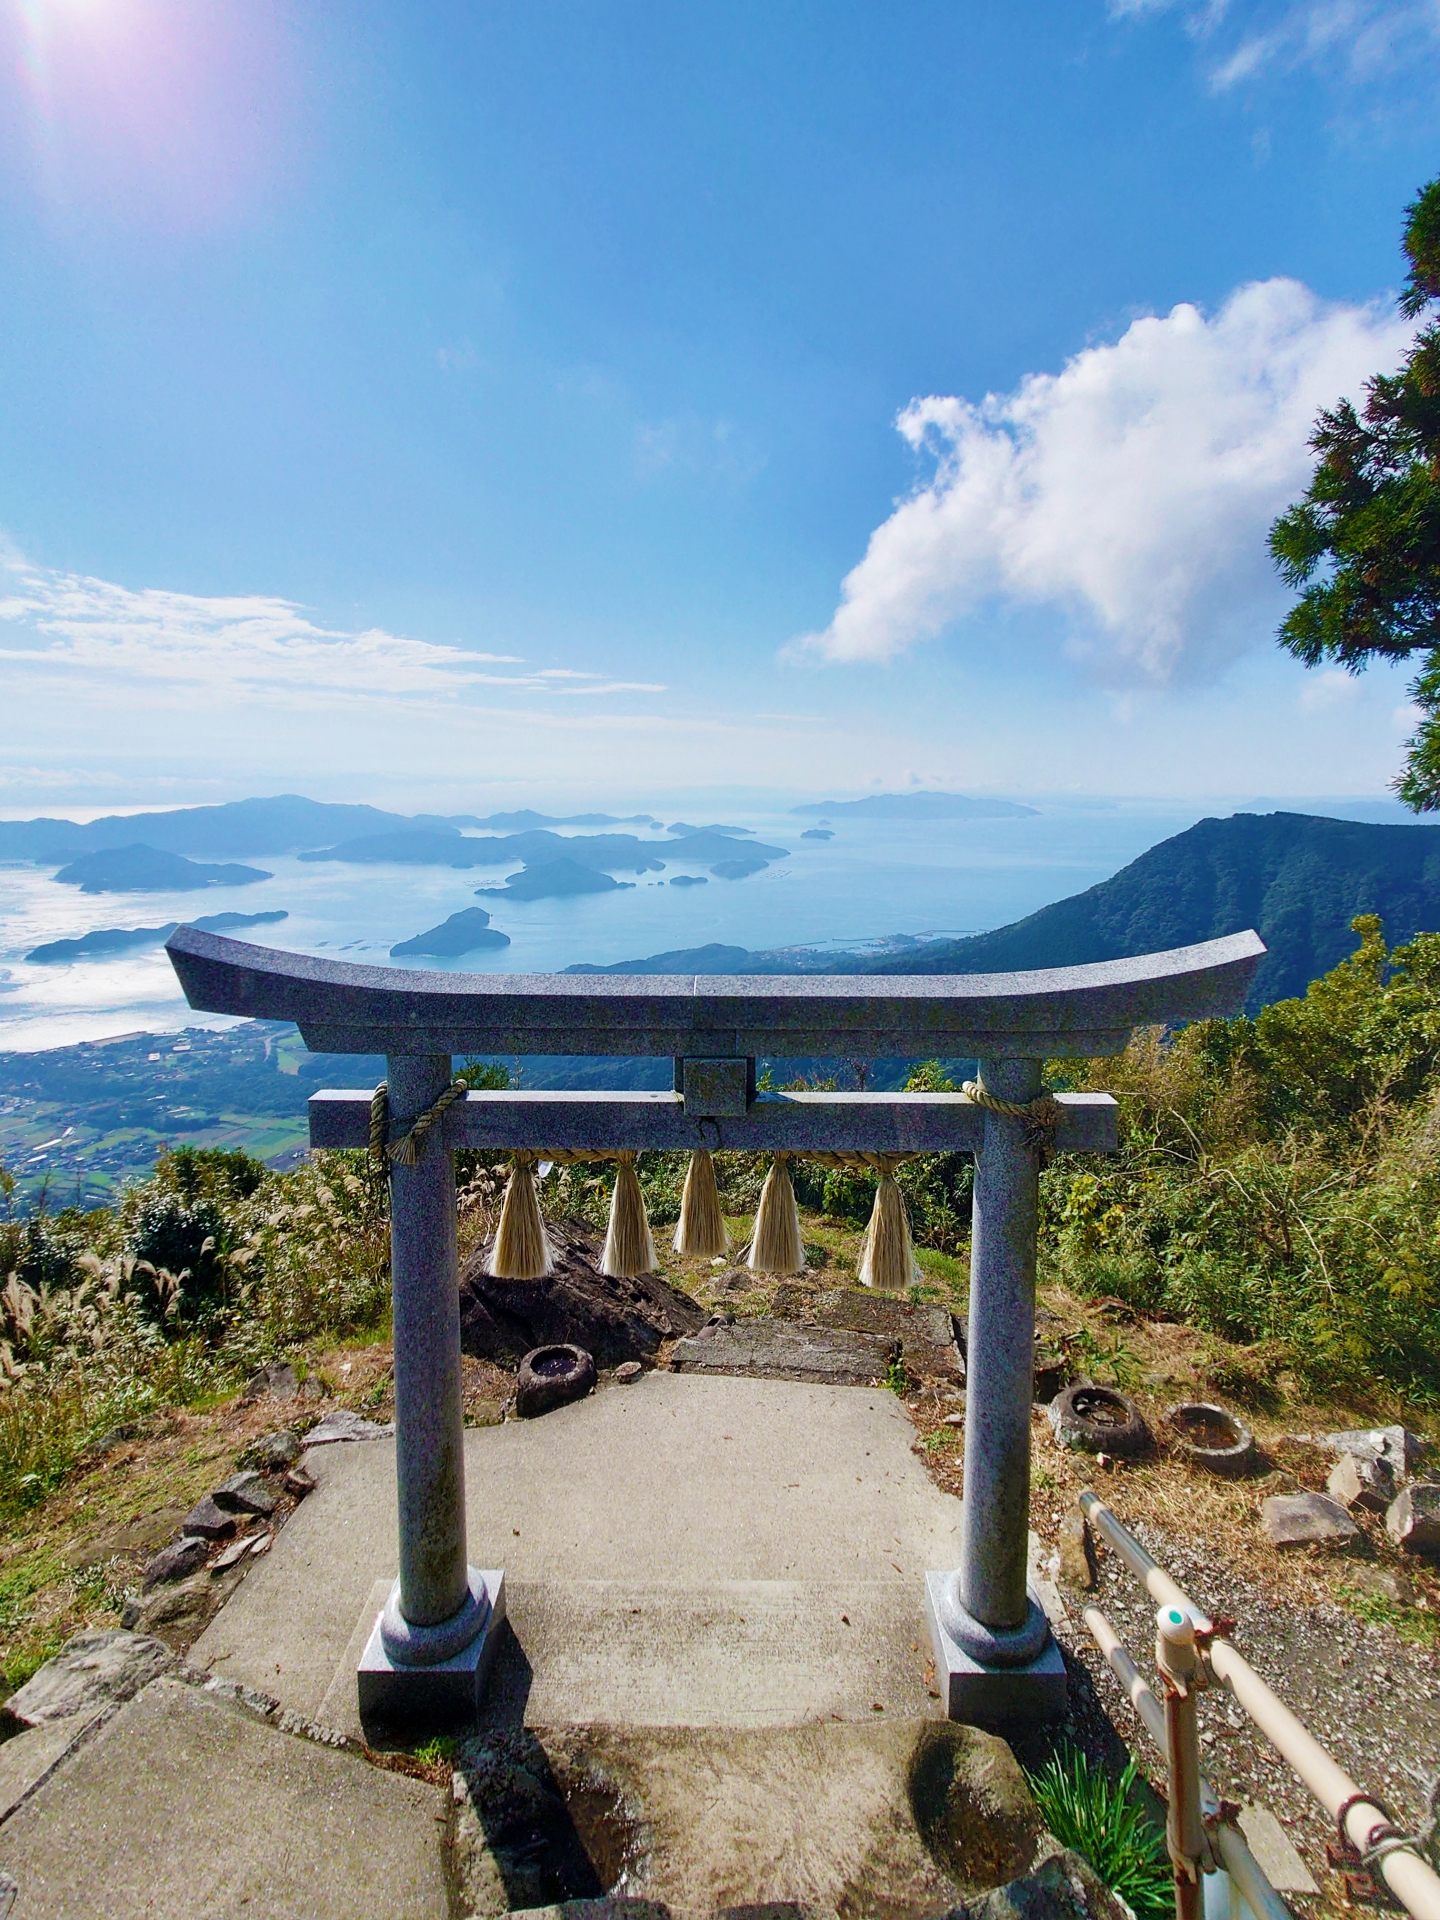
{"points": [[1041, 1116], [406, 1150]]}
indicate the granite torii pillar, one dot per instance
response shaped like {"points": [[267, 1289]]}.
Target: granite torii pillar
{"points": [[994, 1656]]}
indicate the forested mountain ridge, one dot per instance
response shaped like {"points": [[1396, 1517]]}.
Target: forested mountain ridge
{"points": [[1299, 880]]}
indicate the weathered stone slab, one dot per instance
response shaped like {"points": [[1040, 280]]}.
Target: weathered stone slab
{"points": [[926, 1332], [1306, 1520], [787, 1350], [899, 1817], [1274, 1854], [1402, 1449], [183, 1805], [1413, 1520], [28, 1759], [1362, 1480], [613, 1319], [342, 1424], [91, 1672]]}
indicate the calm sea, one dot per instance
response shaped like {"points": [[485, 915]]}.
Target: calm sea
{"points": [[874, 878]]}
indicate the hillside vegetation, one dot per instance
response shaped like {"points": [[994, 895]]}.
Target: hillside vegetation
{"points": [[1297, 879], [1277, 1186]]}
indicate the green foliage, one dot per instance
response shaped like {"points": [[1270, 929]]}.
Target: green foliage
{"points": [[1277, 1181], [1104, 1820], [1363, 545]]}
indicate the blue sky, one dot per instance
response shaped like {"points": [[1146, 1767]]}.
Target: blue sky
{"points": [[555, 402]]}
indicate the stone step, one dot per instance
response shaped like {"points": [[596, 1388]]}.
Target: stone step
{"points": [[184, 1806], [738, 1653]]}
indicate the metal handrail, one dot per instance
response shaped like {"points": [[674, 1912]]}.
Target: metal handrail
{"points": [[1360, 1820], [1235, 1855]]}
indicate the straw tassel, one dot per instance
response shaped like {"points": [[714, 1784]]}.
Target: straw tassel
{"points": [[701, 1233], [522, 1247], [777, 1246], [629, 1249], [887, 1260]]}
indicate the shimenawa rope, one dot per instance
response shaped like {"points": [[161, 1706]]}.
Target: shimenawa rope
{"points": [[1041, 1116], [406, 1150]]}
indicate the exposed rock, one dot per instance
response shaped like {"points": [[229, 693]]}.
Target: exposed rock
{"points": [[786, 1350], [893, 1819], [299, 1482], [276, 1382], [628, 1372], [926, 1332], [1362, 1480], [515, 1845], [1397, 1445], [1382, 1582], [1064, 1888], [1306, 1519], [246, 1493], [575, 1305], [274, 1453], [342, 1424], [177, 1561], [1413, 1521], [184, 1607], [92, 1671], [209, 1520], [735, 1279], [1077, 1562]]}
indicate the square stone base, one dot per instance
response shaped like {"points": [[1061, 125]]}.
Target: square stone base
{"points": [[992, 1697], [431, 1696]]}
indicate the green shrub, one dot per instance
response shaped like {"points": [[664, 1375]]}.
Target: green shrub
{"points": [[1277, 1181]]}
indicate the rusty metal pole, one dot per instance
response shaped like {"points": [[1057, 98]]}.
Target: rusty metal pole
{"points": [[1181, 1673]]}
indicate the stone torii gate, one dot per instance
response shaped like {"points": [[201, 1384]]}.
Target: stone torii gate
{"points": [[993, 1650]]}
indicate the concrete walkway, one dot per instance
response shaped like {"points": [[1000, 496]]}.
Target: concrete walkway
{"points": [[699, 1551]]}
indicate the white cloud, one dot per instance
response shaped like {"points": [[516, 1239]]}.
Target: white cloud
{"points": [[1351, 40], [1132, 491], [101, 639], [1332, 688]]}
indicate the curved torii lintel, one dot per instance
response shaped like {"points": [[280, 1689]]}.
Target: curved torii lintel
{"points": [[1083, 1011]]}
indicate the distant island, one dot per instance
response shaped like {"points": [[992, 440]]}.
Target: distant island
{"points": [[117, 939], [681, 826], [554, 880], [689, 880], [142, 869], [606, 853], [818, 833], [741, 866], [919, 806], [464, 932], [288, 823]]}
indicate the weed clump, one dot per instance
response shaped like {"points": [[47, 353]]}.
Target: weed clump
{"points": [[1104, 1820]]}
